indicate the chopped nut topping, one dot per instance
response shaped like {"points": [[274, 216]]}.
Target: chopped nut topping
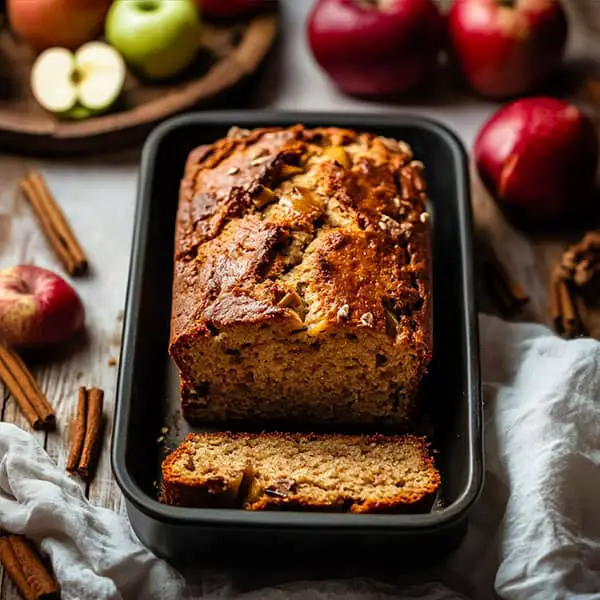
{"points": [[367, 320], [233, 171], [261, 152], [259, 160], [237, 133], [411, 181], [343, 312], [396, 145], [338, 154], [264, 197], [389, 143], [387, 223], [406, 228], [405, 148], [424, 217], [418, 181]]}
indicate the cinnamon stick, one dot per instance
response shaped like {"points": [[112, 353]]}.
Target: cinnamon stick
{"points": [[93, 426], [27, 393], [567, 309], [25, 568], [582, 314], [506, 292], [54, 224], [13, 568], [78, 431], [569, 316], [87, 431], [554, 305]]}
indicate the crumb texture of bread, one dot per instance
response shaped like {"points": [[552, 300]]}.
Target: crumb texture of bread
{"points": [[301, 286], [287, 471]]}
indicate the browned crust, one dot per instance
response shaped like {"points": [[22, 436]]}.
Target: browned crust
{"points": [[221, 281], [216, 491]]}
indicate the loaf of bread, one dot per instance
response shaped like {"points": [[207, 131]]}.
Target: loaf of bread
{"points": [[276, 471], [301, 286]]}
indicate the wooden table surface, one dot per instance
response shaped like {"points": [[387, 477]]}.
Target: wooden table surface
{"points": [[98, 197], [98, 200]]}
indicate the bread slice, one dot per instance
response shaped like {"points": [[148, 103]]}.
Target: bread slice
{"points": [[288, 471]]}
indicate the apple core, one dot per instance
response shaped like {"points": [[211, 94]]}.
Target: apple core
{"points": [[148, 5]]}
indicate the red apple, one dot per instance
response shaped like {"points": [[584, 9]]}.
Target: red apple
{"points": [[538, 157], [505, 48], [67, 23], [376, 47], [37, 307], [226, 9]]}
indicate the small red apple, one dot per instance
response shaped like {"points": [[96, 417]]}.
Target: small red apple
{"points": [[506, 48], [67, 23], [228, 9], [538, 157], [376, 47], [37, 307]]}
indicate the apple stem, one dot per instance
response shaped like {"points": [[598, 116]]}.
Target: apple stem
{"points": [[370, 4], [21, 286], [507, 3]]}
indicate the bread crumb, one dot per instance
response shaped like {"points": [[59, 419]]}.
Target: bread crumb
{"points": [[112, 361]]}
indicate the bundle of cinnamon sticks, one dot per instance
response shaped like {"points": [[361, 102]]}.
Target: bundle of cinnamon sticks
{"points": [[87, 429], [24, 566]]}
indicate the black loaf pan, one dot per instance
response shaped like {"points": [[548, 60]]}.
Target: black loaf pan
{"points": [[147, 392]]}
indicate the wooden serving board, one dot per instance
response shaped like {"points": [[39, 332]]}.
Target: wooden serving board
{"points": [[230, 53]]}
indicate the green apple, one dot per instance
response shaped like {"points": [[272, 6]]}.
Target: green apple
{"points": [[81, 84], [158, 38]]}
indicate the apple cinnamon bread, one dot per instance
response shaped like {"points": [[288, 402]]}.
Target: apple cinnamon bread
{"points": [[301, 287], [290, 471]]}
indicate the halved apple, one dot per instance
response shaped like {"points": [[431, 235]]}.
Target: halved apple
{"points": [[86, 82]]}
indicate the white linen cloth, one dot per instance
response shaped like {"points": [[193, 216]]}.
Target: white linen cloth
{"points": [[535, 533]]}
